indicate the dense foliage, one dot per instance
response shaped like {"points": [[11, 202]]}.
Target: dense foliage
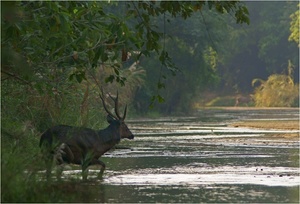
{"points": [[219, 58], [260, 49], [294, 26]]}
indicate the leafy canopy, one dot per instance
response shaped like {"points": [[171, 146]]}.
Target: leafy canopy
{"points": [[47, 43]]}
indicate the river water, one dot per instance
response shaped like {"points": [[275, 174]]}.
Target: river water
{"points": [[200, 159]]}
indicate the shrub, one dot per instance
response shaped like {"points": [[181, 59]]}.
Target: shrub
{"points": [[279, 91]]}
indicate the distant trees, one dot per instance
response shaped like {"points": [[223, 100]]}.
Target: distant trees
{"points": [[192, 46], [55, 55], [69, 38], [260, 49], [294, 26], [281, 89], [217, 55], [61, 51]]}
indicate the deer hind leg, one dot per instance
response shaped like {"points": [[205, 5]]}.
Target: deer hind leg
{"points": [[48, 159], [61, 152], [59, 171], [48, 162], [58, 157], [47, 156]]}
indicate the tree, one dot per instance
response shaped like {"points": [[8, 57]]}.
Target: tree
{"points": [[294, 26], [48, 47], [258, 50], [56, 40], [191, 47]]}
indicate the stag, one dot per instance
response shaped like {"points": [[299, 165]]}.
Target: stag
{"points": [[83, 146]]}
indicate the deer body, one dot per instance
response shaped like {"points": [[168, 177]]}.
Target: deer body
{"points": [[83, 146]]}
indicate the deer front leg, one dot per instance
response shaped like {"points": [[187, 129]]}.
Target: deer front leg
{"points": [[100, 175], [98, 162], [85, 169]]}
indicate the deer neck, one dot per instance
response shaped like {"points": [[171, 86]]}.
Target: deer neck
{"points": [[109, 135]]}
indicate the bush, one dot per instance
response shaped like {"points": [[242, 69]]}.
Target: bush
{"points": [[278, 91]]}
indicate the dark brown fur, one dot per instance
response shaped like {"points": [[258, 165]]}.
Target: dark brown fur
{"points": [[84, 146]]}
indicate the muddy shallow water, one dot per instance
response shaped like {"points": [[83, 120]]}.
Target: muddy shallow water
{"points": [[200, 159]]}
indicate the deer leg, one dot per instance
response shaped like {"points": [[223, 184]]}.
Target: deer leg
{"points": [[98, 162], [48, 162], [91, 161], [85, 172], [48, 169], [59, 170], [47, 156], [85, 164], [59, 156]]}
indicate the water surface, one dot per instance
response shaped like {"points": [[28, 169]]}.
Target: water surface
{"points": [[200, 159]]}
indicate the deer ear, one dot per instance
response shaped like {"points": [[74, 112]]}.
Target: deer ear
{"points": [[110, 119]]}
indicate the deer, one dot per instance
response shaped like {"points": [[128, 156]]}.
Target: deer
{"points": [[84, 146]]}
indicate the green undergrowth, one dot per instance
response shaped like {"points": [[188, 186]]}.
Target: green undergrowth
{"points": [[23, 119], [23, 178], [21, 162]]}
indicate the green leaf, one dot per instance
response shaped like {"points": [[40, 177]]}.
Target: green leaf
{"points": [[100, 51], [161, 85], [79, 75], [79, 78], [116, 71], [104, 57], [110, 79], [160, 99]]}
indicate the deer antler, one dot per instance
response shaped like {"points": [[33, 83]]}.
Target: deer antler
{"points": [[116, 101], [104, 105]]}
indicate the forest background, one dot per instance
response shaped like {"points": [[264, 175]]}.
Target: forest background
{"points": [[206, 60], [164, 58]]}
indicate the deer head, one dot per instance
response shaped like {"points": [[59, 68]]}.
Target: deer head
{"points": [[117, 119]]}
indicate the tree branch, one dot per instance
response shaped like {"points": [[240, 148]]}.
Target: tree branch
{"points": [[16, 77]]}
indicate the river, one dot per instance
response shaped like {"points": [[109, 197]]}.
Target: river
{"points": [[199, 159]]}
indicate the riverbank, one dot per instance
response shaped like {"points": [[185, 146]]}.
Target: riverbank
{"points": [[291, 125], [269, 124], [284, 123]]}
